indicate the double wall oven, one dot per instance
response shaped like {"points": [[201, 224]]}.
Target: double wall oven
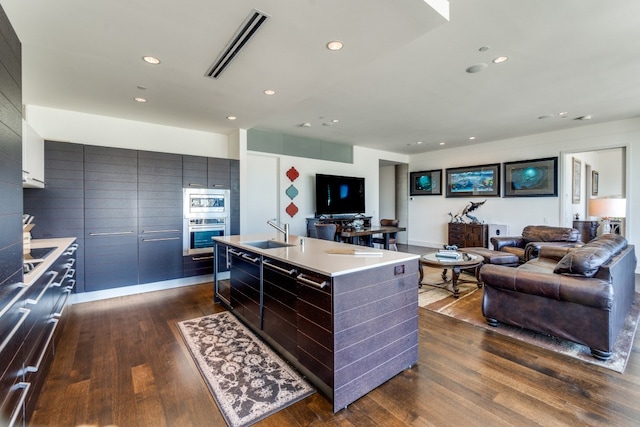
{"points": [[206, 215]]}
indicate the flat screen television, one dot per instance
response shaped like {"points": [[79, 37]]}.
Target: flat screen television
{"points": [[339, 195]]}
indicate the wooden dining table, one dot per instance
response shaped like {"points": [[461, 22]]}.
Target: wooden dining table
{"points": [[353, 235]]}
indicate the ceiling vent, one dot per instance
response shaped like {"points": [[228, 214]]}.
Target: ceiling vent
{"points": [[244, 33]]}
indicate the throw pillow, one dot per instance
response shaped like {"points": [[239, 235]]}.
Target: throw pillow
{"points": [[584, 261]]}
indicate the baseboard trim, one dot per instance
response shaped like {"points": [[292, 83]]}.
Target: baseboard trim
{"points": [[139, 289]]}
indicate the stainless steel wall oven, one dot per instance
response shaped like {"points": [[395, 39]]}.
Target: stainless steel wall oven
{"points": [[206, 215]]}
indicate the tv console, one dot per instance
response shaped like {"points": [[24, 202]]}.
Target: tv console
{"points": [[340, 220]]}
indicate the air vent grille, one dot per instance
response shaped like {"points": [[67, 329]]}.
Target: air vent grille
{"points": [[244, 33]]}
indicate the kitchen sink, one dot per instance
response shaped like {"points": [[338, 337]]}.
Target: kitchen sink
{"points": [[267, 244]]}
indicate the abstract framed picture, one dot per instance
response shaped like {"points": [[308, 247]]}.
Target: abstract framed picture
{"points": [[595, 177], [426, 183], [531, 178], [474, 181]]}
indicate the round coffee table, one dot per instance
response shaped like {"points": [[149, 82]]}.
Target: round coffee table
{"points": [[466, 261]]}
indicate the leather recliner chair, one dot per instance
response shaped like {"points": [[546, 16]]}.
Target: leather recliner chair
{"points": [[527, 246]]}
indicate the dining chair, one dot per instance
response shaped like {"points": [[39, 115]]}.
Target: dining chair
{"points": [[326, 231], [392, 236]]}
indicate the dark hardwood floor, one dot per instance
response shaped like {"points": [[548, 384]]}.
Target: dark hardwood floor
{"points": [[121, 362]]}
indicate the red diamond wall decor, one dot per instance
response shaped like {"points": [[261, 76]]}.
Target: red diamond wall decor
{"points": [[292, 174], [292, 209]]}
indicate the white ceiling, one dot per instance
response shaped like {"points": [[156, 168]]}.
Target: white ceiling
{"points": [[400, 78]]}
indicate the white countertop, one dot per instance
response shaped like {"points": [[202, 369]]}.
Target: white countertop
{"points": [[59, 245], [314, 254]]}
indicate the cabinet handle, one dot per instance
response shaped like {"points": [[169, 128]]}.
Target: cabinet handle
{"points": [[159, 231], [280, 269], [23, 396], [53, 274], [70, 263], [64, 304], [247, 257], [160, 239], [303, 279], [71, 250], [72, 284], [201, 258], [234, 252], [193, 184], [114, 233], [70, 273], [34, 368], [16, 297], [25, 313], [38, 180]]}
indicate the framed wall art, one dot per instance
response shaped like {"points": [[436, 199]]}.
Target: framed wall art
{"points": [[474, 181], [531, 178], [426, 183], [595, 177], [575, 181]]}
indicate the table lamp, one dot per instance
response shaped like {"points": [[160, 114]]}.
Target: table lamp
{"points": [[607, 209]]}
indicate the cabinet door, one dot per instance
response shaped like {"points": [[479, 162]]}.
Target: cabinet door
{"points": [[159, 216], [32, 158], [279, 318], [218, 173], [245, 287], [194, 172], [457, 234], [111, 217], [315, 324]]}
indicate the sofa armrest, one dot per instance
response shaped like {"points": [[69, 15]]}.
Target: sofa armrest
{"points": [[584, 291], [532, 249], [555, 253], [500, 242]]}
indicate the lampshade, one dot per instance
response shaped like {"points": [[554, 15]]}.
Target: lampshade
{"points": [[608, 208]]}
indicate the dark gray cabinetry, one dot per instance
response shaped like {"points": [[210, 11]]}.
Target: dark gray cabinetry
{"points": [[208, 172], [30, 322], [111, 217], [46, 300], [159, 216], [234, 180], [279, 318], [194, 172], [218, 173], [59, 208], [246, 288]]}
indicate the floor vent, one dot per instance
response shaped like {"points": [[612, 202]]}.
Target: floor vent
{"points": [[244, 33]]}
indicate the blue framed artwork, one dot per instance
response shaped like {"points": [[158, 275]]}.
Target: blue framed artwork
{"points": [[426, 183], [474, 181], [531, 178]]}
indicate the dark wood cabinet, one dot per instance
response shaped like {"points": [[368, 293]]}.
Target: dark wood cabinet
{"points": [[111, 217], [468, 235], [246, 286], [159, 216], [279, 319], [588, 230]]}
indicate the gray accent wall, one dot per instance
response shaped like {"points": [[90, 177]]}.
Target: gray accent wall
{"points": [[296, 146]]}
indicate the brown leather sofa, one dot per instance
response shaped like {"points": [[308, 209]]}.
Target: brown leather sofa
{"points": [[579, 294], [533, 237]]}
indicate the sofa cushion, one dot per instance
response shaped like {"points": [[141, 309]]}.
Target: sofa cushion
{"points": [[584, 261], [612, 242]]}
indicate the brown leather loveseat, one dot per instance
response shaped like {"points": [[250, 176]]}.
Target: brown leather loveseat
{"points": [[533, 237], [580, 294]]}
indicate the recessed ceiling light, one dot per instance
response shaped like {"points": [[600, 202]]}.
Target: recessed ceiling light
{"points": [[335, 45], [335, 121], [484, 48], [151, 60], [419, 142], [305, 125], [472, 137], [500, 59], [141, 87], [269, 92], [563, 114], [442, 143], [476, 68], [231, 117], [139, 99]]}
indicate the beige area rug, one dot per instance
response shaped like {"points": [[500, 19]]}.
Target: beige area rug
{"points": [[468, 308]]}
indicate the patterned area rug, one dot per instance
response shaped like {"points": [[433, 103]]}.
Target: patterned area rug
{"points": [[247, 379], [468, 308]]}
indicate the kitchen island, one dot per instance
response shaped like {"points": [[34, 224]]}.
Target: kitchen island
{"points": [[344, 315]]}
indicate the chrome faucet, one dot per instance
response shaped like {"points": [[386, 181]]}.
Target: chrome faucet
{"points": [[284, 229]]}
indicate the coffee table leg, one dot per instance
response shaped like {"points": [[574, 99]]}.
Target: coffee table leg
{"points": [[444, 275], [455, 272]]}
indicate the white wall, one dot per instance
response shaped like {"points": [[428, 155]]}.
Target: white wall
{"points": [[428, 214], [90, 129], [365, 165]]}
